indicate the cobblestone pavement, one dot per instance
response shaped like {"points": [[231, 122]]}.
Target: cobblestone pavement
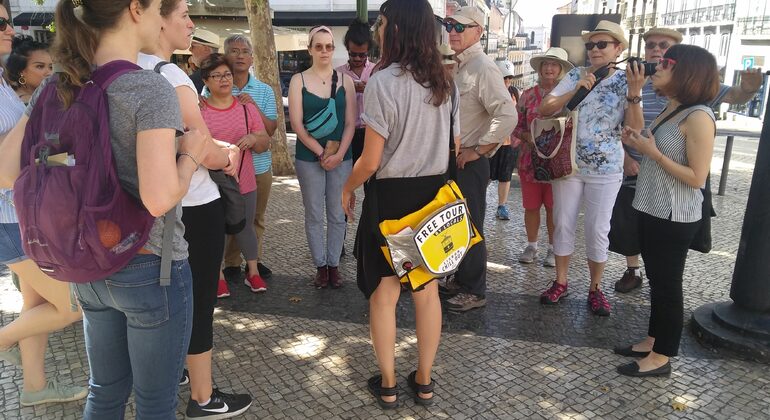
{"points": [[305, 353]]}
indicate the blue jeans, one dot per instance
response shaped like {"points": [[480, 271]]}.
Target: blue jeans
{"points": [[10, 244], [137, 334]]}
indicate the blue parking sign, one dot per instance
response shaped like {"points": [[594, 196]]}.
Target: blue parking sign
{"points": [[748, 62]]}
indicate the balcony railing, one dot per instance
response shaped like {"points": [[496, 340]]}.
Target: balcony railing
{"points": [[647, 20], [725, 12], [759, 25]]}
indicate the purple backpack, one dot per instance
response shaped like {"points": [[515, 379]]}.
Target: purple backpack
{"points": [[77, 222]]}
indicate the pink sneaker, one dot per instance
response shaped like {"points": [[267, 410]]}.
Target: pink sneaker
{"points": [[222, 290], [598, 303], [554, 294], [256, 284]]}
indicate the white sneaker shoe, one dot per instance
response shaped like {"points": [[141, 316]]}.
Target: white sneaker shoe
{"points": [[528, 255], [550, 259]]}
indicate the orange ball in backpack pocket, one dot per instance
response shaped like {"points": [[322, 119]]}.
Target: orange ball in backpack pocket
{"points": [[109, 233]]}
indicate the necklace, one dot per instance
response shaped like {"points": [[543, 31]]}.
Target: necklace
{"points": [[321, 78]]}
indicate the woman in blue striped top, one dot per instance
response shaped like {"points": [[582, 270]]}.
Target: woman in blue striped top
{"points": [[47, 304], [677, 159]]}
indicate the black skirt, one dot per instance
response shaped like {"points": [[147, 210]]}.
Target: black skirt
{"points": [[386, 199]]}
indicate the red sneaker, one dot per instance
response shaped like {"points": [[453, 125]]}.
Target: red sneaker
{"points": [[222, 290], [256, 284], [554, 294], [598, 303]]}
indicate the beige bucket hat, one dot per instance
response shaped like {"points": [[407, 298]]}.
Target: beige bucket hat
{"points": [[610, 28], [556, 54]]}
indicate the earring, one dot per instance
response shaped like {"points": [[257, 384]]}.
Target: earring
{"points": [[22, 80]]}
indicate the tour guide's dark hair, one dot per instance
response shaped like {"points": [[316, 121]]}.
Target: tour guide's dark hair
{"points": [[76, 40], [212, 62], [358, 33], [23, 46], [410, 40], [695, 77]]}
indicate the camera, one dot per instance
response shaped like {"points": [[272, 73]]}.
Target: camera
{"points": [[649, 68]]}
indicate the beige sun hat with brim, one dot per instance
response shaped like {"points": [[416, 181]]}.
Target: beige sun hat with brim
{"points": [[556, 54], [468, 15], [608, 28], [671, 33], [207, 38], [447, 54]]}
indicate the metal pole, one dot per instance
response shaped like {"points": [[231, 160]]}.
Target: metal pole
{"points": [[362, 10], [725, 165]]}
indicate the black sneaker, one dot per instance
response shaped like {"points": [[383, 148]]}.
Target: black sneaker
{"points": [[232, 274], [185, 379], [264, 272], [221, 406]]}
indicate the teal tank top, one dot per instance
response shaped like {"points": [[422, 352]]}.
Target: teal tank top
{"points": [[311, 104]]}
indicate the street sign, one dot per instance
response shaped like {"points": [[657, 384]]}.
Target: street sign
{"points": [[748, 62]]}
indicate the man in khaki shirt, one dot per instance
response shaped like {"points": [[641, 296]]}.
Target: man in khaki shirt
{"points": [[487, 117]]}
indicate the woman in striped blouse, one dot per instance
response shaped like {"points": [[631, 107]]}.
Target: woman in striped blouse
{"points": [[676, 162]]}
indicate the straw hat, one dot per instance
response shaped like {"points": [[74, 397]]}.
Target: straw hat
{"points": [[610, 28], [207, 38], [673, 34], [555, 54], [447, 54]]}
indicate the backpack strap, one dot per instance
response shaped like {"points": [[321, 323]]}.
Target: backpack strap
{"points": [[106, 74], [159, 66], [334, 84], [167, 249]]}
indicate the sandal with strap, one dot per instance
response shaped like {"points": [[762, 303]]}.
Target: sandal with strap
{"points": [[418, 389], [376, 389]]}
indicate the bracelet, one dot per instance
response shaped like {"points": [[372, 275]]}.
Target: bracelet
{"points": [[191, 157]]}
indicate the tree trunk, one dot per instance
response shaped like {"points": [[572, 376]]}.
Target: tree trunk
{"points": [[266, 69]]}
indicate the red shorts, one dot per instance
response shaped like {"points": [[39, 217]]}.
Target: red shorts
{"points": [[536, 194]]}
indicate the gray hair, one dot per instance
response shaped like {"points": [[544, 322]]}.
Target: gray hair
{"points": [[237, 38]]}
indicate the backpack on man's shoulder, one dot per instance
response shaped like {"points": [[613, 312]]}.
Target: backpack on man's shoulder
{"points": [[77, 222]]}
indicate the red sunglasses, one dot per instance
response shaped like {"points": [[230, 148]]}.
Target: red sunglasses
{"points": [[666, 63]]}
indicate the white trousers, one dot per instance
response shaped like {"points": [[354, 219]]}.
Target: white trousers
{"points": [[597, 193]]}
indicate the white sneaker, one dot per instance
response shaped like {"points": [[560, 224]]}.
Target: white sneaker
{"points": [[550, 259], [528, 255]]}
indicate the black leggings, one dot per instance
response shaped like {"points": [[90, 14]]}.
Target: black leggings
{"points": [[205, 235], [664, 249]]}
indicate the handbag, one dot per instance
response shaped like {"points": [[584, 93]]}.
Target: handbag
{"points": [[553, 152], [431, 242], [230, 191], [324, 122]]}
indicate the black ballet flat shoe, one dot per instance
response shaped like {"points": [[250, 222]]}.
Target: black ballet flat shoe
{"points": [[629, 351], [420, 389], [632, 369], [375, 388]]}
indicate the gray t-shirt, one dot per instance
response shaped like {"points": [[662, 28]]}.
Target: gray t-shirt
{"points": [[140, 100], [416, 132]]}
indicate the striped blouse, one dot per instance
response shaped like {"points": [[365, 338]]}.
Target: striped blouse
{"points": [[660, 194], [11, 110]]}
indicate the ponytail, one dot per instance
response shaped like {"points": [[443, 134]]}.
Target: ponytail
{"points": [[78, 23]]}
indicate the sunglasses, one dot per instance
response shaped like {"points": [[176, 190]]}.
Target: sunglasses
{"points": [[321, 47], [666, 63], [221, 76], [458, 27], [600, 45], [4, 24], [359, 55], [651, 45]]}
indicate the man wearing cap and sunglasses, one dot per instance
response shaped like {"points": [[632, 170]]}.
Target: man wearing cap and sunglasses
{"points": [[204, 43], [487, 118], [623, 234]]}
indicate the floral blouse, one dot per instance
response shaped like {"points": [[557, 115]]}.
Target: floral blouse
{"points": [[600, 117], [529, 101]]}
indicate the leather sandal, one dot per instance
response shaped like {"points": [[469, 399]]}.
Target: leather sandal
{"points": [[418, 389], [375, 388]]}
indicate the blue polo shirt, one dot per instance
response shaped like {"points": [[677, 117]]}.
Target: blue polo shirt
{"points": [[263, 96]]}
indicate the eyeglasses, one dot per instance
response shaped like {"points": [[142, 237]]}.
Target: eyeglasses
{"points": [[236, 52], [662, 45], [601, 44], [221, 76], [322, 48], [359, 55], [666, 63], [458, 27], [4, 24]]}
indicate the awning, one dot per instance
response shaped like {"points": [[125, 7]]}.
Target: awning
{"points": [[33, 19], [285, 39]]}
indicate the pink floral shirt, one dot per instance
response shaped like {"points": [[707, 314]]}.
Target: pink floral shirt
{"points": [[529, 101]]}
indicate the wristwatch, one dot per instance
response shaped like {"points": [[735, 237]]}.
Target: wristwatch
{"points": [[634, 99], [477, 149]]}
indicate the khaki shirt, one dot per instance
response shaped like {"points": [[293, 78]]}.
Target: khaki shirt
{"points": [[487, 112]]}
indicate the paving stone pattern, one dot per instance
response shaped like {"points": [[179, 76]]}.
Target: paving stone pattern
{"points": [[305, 353]]}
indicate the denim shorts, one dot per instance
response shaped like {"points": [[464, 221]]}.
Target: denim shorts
{"points": [[10, 244]]}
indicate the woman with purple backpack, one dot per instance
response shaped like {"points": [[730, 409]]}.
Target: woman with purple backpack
{"points": [[47, 306], [137, 328]]}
